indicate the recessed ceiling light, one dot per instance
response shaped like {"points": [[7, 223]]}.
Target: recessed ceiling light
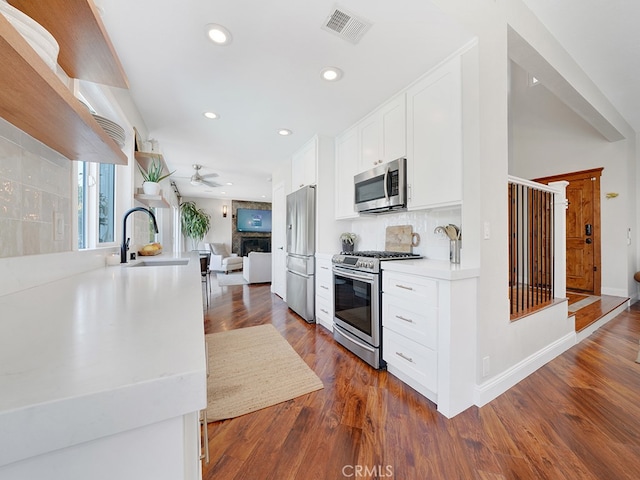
{"points": [[284, 132], [331, 74], [229, 183], [223, 193], [211, 115], [218, 34]]}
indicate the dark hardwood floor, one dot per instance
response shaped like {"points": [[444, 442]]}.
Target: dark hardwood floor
{"points": [[578, 417]]}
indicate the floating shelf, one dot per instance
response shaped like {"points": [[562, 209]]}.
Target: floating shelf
{"points": [[144, 159], [156, 201], [35, 100], [86, 51]]}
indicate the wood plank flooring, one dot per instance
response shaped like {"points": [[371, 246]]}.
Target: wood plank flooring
{"points": [[578, 417], [589, 314]]}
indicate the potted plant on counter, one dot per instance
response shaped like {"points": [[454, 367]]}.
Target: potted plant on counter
{"points": [[152, 177], [195, 222], [348, 241]]}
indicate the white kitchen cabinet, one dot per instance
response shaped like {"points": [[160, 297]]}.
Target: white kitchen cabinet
{"points": [[382, 134], [410, 330], [429, 328], [324, 292], [304, 164], [434, 139], [346, 162]]}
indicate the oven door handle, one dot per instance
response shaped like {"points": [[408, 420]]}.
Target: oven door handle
{"points": [[349, 274]]}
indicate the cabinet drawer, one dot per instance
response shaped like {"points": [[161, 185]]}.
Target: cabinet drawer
{"points": [[410, 286], [324, 286], [412, 359], [324, 307], [324, 312], [413, 320]]}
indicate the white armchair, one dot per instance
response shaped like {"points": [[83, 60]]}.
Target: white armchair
{"points": [[257, 267], [222, 260]]}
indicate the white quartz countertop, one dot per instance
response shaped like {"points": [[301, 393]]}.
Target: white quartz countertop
{"points": [[441, 269], [99, 353]]}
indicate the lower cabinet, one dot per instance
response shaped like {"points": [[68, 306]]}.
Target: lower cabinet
{"points": [[410, 330], [167, 450], [429, 331], [324, 293]]}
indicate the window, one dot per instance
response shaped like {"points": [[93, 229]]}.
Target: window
{"points": [[96, 204], [106, 203]]}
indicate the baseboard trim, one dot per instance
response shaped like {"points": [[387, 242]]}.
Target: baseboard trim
{"points": [[495, 387]]}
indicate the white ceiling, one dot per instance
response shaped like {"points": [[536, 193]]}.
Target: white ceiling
{"points": [[604, 39], [267, 79]]}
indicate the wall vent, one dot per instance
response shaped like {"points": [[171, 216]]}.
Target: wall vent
{"points": [[346, 25]]}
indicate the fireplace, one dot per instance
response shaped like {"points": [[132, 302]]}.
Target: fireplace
{"points": [[254, 244]]}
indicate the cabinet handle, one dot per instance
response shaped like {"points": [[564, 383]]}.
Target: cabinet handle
{"points": [[324, 311], [206, 353], [205, 434], [401, 355], [405, 319], [324, 268], [324, 286], [409, 192], [404, 287], [302, 184]]}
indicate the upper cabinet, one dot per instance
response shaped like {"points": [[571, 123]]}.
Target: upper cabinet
{"points": [[32, 96], [434, 138], [304, 165], [382, 134], [345, 169]]}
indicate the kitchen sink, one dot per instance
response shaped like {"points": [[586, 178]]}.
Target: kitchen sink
{"points": [[161, 263]]}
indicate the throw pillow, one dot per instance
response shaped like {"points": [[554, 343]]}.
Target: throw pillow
{"points": [[220, 249]]}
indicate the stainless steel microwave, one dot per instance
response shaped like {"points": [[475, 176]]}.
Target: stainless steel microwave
{"points": [[383, 188]]}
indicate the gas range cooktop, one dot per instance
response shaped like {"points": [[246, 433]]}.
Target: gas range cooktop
{"points": [[369, 260]]}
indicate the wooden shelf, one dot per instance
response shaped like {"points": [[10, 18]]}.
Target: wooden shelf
{"points": [[144, 159], [86, 52], [157, 201], [35, 100]]}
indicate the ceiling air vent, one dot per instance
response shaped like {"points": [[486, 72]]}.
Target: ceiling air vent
{"points": [[346, 25]]}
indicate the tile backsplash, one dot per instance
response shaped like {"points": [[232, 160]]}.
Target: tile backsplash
{"points": [[35, 196], [371, 230]]}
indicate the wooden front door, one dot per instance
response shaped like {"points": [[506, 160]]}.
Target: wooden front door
{"points": [[583, 229]]}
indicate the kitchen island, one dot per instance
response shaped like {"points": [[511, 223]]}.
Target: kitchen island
{"points": [[103, 373]]}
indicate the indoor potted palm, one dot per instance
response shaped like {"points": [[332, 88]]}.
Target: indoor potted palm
{"points": [[152, 177], [195, 222]]}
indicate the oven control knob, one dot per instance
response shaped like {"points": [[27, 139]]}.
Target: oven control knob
{"points": [[371, 264]]}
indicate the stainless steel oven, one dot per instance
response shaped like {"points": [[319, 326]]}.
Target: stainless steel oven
{"points": [[357, 322]]}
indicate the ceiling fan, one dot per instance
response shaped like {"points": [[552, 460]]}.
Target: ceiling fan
{"points": [[198, 180]]}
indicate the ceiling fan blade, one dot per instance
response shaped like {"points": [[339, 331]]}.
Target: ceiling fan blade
{"points": [[211, 183], [210, 175]]}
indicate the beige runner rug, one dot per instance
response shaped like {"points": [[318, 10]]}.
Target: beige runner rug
{"points": [[253, 368]]}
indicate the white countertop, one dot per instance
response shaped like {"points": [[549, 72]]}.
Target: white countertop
{"points": [[99, 353], [441, 269]]}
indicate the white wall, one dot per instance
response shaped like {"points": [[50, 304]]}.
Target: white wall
{"points": [[548, 138], [508, 344], [220, 231]]}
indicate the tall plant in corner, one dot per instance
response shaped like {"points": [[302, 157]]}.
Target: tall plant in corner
{"points": [[195, 222]]}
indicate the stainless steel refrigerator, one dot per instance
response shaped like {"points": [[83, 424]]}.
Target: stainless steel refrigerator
{"points": [[301, 248]]}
